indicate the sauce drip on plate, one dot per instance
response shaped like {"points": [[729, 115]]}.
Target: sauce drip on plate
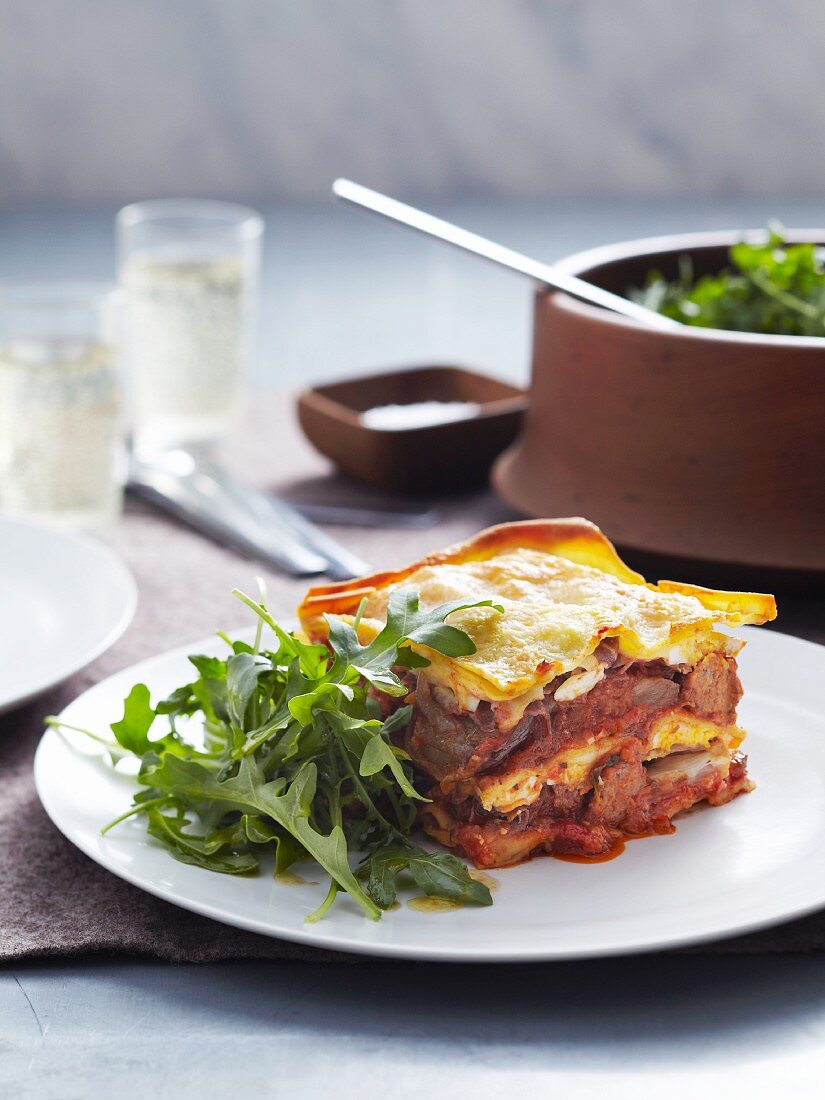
{"points": [[481, 876], [433, 905]]}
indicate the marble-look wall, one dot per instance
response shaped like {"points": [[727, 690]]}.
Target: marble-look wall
{"points": [[109, 100]]}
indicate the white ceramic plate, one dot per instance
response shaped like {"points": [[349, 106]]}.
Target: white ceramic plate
{"points": [[64, 599], [754, 862]]}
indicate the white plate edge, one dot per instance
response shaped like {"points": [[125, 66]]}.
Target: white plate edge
{"points": [[337, 942], [126, 577]]}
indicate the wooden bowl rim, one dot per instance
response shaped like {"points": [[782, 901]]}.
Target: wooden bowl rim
{"points": [[582, 263]]}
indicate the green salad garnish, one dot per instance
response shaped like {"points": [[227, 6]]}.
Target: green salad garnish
{"points": [[772, 288], [296, 758]]}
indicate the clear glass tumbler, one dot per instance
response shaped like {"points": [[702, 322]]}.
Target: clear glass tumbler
{"points": [[190, 272], [61, 430]]}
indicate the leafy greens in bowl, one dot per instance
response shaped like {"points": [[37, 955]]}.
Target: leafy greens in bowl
{"points": [[773, 288], [295, 757]]}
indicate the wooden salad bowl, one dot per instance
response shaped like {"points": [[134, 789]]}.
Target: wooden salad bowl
{"points": [[696, 444]]}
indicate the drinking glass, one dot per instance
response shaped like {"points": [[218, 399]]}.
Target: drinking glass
{"points": [[190, 273], [61, 431]]}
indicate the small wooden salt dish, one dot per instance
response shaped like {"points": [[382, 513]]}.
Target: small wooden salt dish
{"points": [[447, 456]]}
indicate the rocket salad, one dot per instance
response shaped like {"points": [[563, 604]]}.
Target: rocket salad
{"points": [[296, 759], [772, 287]]}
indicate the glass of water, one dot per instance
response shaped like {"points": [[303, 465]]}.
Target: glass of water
{"points": [[190, 273], [61, 430]]}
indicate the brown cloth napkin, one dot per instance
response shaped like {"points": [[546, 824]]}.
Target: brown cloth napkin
{"points": [[53, 899]]}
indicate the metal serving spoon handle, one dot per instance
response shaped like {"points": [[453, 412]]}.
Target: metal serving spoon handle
{"points": [[396, 211]]}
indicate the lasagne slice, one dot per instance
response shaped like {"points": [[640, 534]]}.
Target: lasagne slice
{"points": [[595, 707]]}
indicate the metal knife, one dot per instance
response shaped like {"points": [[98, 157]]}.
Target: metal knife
{"points": [[195, 489]]}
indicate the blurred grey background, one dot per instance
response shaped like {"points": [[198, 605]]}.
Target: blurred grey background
{"points": [[111, 100], [553, 124]]}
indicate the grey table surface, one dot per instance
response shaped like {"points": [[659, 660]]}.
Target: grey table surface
{"points": [[341, 295]]}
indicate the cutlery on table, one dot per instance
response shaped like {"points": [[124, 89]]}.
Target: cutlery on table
{"points": [[200, 493], [347, 515]]}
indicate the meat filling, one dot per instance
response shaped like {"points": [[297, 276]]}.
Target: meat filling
{"points": [[628, 800], [625, 794], [451, 744]]}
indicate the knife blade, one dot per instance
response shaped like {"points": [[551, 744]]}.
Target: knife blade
{"points": [[341, 564], [177, 482]]}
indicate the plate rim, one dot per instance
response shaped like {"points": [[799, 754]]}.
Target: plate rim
{"points": [[315, 936], [115, 562]]}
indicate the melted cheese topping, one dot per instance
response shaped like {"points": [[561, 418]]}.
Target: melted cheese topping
{"points": [[556, 612], [571, 767]]}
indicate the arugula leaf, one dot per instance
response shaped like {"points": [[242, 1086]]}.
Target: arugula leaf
{"points": [[381, 870], [293, 811], [188, 848], [287, 849], [298, 757], [209, 668], [242, 672], [302, 707], [406, 622], [771, 287], [248, 791], [441, 875], [180, 703], [378, 755], [438, 874], [397, 720], [131, 732], [257, 830], [193, 781], [210, 688]]}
